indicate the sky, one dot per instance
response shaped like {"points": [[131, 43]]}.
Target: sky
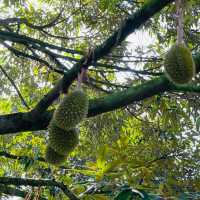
{"points": [[140, 39]]}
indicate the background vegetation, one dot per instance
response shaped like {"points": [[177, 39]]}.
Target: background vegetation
{"points": [[141, 137]]}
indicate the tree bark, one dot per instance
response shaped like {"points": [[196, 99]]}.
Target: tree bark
{"points": [[39, 118], [11, 191], [38, 183]]}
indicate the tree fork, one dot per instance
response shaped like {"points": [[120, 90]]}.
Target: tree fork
{"points": [[39, 118], [128, 26], [16, 122]]}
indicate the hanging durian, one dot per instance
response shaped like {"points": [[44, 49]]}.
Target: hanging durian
{"points": [[63, 134], [62, 141], [72, 110], [53, 157], [179, 64]]}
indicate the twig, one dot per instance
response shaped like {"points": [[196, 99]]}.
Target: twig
{"points": [[34, 57], [28, 41], [16, 88]]}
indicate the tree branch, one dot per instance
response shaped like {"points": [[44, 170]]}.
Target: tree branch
{"points": [[40, 159], [32, 57], [13, 20], [11, 156], [53, 56], [38, 183], [16, 122], [22, 39], [12, 123], [16, 88], [38, 119], [16, 192], [127, 27]]}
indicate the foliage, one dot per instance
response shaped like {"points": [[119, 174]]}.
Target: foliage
{"points": [[146, 150]]}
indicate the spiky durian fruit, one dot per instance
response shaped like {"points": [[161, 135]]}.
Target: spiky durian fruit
{"points": [[53, 157], [61, 141], [179, 64], [72, 110]]}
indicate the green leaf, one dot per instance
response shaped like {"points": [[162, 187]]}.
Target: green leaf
{"points": [[126, 194]]}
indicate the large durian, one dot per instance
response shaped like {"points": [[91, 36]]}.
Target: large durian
{"points": [[72, 110], [179, 64], [53, 157], [62, 141]]}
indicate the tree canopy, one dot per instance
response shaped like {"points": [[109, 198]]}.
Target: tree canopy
{"points": [[140, 139]]}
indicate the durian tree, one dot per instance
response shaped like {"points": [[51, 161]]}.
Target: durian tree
{"points": [[138, 139]]}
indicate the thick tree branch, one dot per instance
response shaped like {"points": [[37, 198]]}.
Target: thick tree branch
{"points": [[16, 20], [16, 122], [13, 123], [127, 27], [54, 57], [39, 119], [38, 183]]}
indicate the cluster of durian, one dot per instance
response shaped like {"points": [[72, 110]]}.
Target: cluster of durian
{"points": [[63, 134], [179, 64]]}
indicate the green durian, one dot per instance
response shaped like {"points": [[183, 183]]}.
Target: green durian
{"points": [[61, 141], [53, 157], [179, 64], [72, 110]]}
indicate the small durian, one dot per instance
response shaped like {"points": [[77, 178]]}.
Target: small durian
{"points": [[72, 110], [179, 64], [53, 157], [61, 141]]}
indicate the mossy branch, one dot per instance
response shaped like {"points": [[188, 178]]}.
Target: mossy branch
{"points": [[12, 123]]}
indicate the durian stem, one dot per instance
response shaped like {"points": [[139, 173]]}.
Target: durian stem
{"points": [[80, 77], [179, 13], [79, 81]]}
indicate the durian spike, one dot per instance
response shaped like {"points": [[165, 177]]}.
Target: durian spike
{"points": [[179, 14], [61, 141], [72, 110], [179, 64], [53, 157]]}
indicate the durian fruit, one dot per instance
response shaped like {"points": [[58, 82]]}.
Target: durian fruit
{"points": [[72, 110], [179, 64], [53, 157], [61, 141]]}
